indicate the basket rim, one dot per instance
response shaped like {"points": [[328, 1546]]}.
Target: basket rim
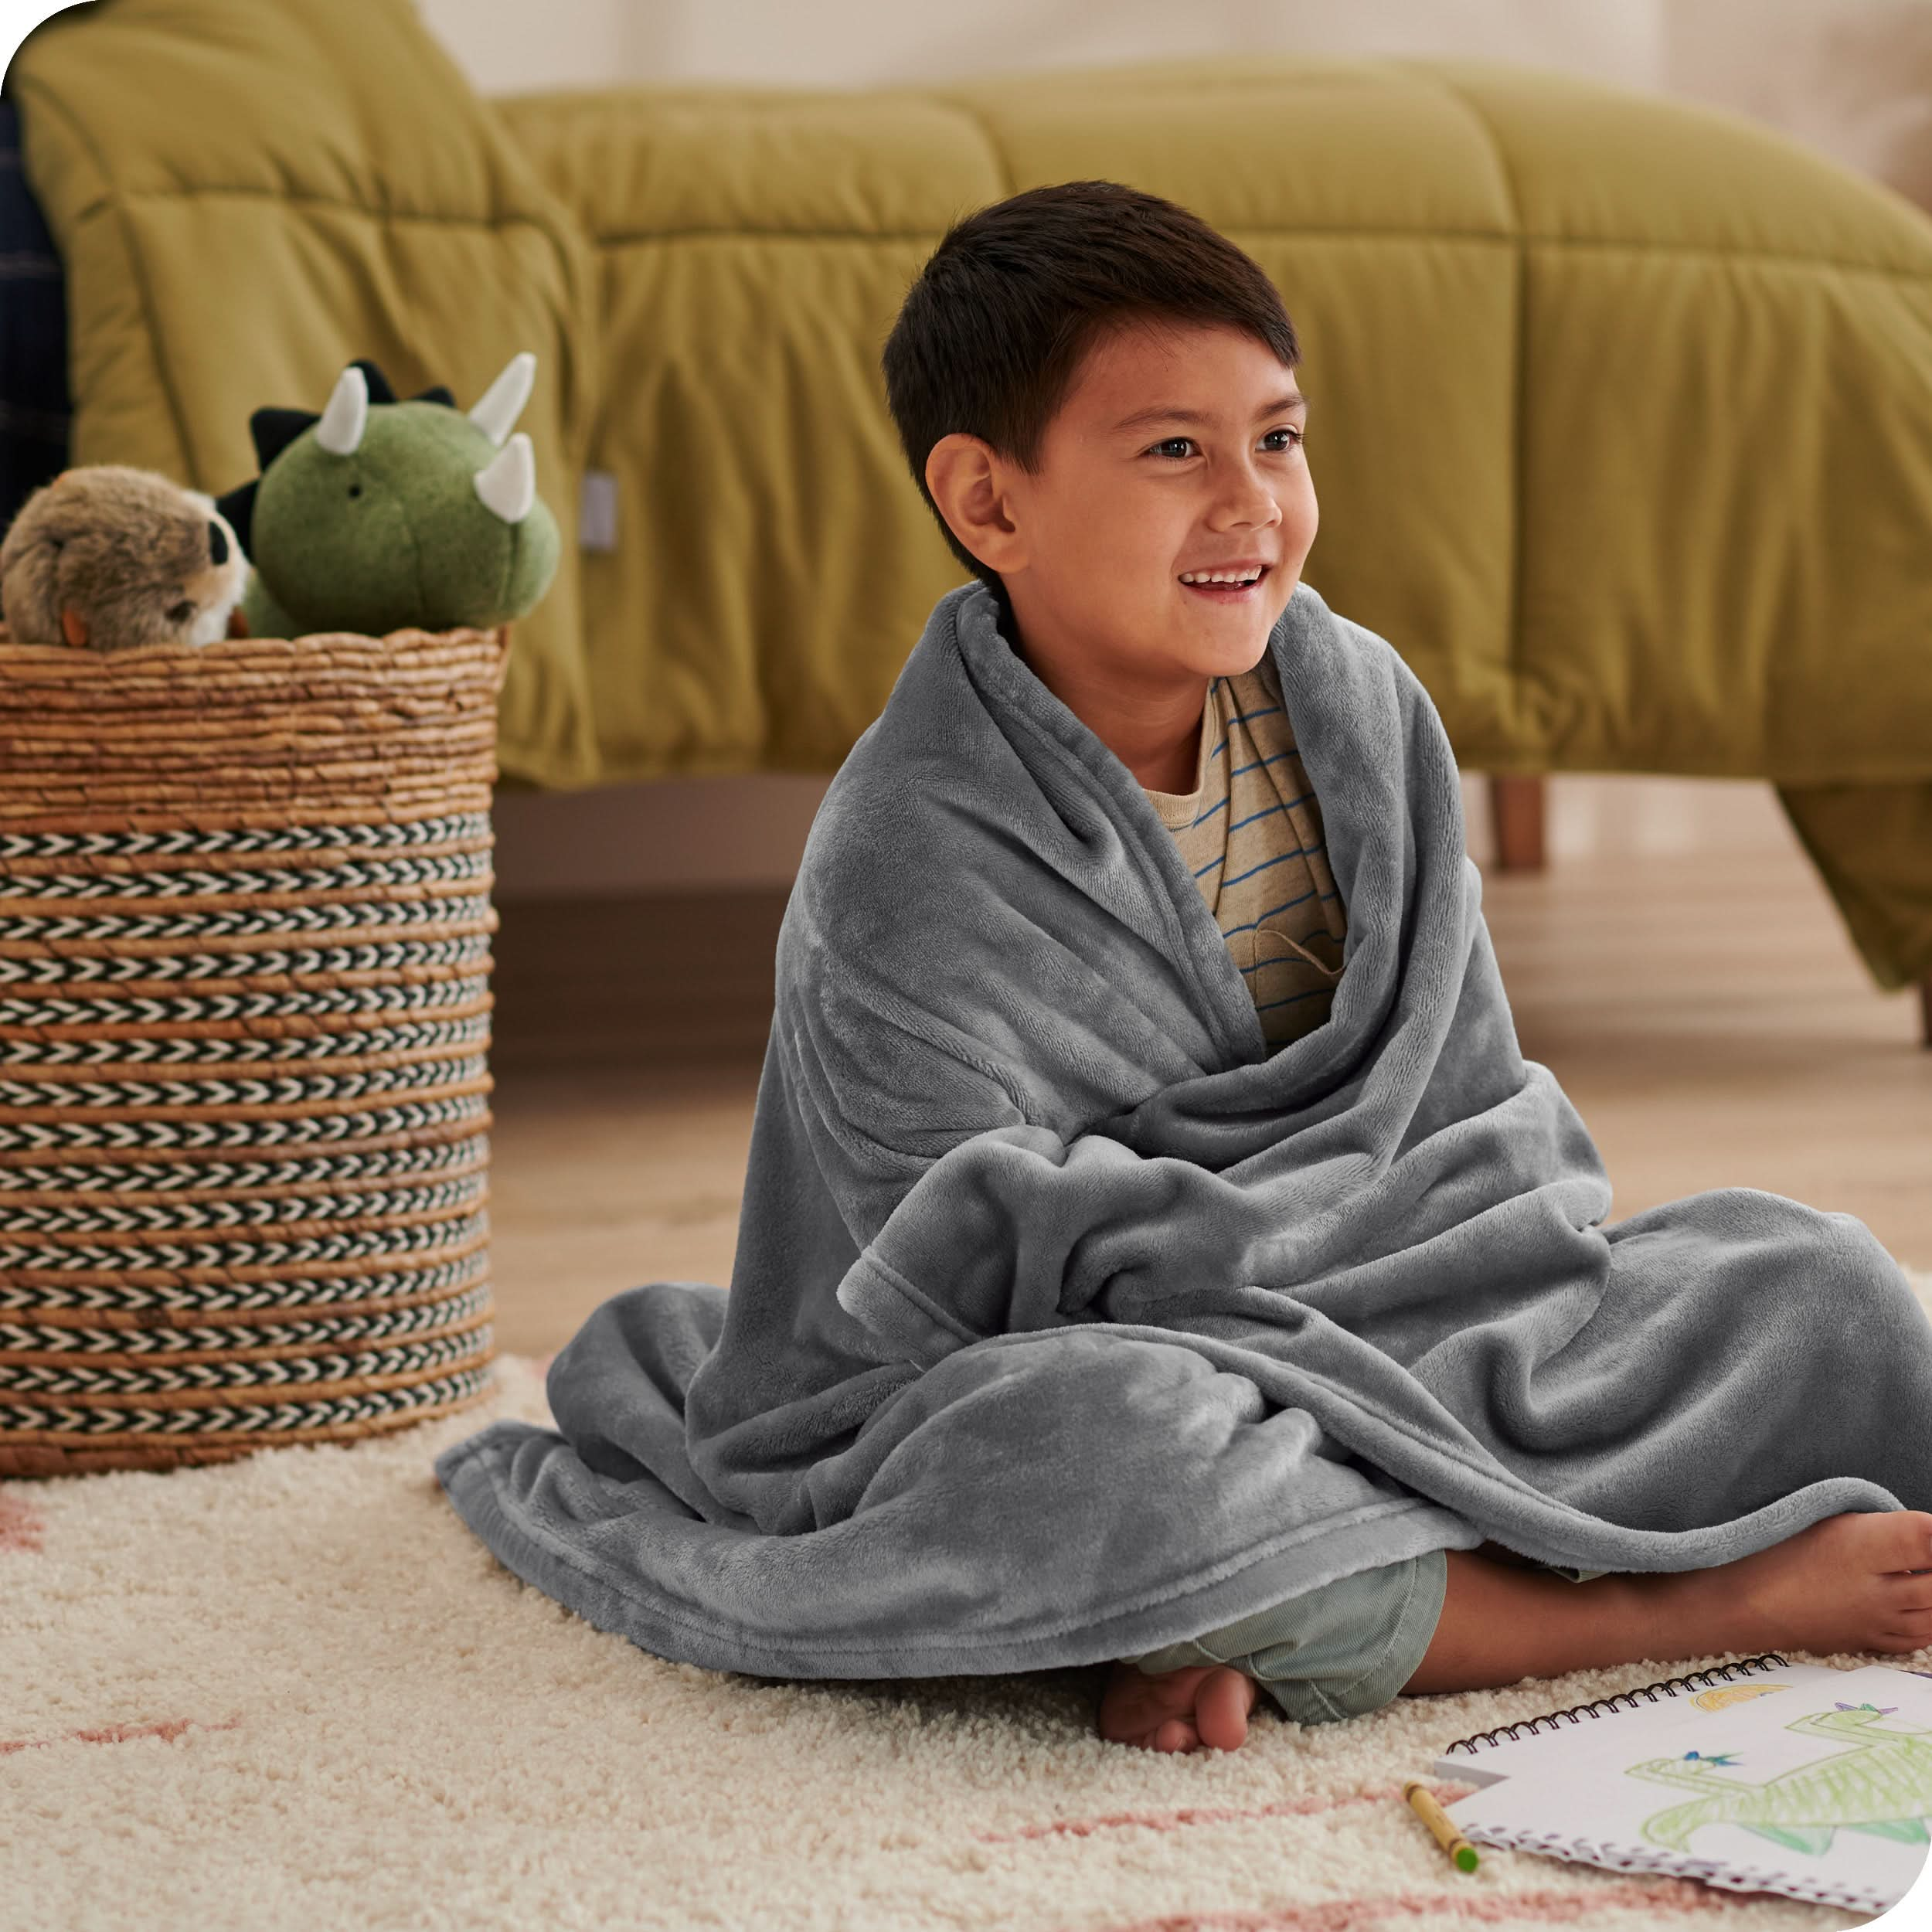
{"points": [[403, 636]]}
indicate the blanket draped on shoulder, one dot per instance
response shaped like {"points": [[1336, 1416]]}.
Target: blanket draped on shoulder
{"points": [[1066, 1321]]}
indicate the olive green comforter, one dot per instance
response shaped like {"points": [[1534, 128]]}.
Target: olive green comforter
{"points": [[1622, 409]]}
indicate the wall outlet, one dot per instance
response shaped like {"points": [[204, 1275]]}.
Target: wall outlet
{"points": [[597, 511]]}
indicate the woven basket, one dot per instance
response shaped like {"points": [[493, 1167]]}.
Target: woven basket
{"points": [[245, 925]]}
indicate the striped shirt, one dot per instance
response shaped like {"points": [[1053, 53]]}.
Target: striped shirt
{"points": [[1250, 833]]}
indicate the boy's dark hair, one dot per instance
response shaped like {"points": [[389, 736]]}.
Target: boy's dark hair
{"points": [[992, 335]]}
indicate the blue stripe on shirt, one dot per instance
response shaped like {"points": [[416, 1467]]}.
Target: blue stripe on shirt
{"points": [[1229, 931], [1270, 1005]]}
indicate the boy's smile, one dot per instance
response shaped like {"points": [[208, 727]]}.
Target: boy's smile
{"points": [[1176, 456]]}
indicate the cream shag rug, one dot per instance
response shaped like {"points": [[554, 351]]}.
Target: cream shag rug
{"points": [[295, 1691]]}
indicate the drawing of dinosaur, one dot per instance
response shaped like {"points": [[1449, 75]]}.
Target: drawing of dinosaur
{"points": [[1880, 1783]]}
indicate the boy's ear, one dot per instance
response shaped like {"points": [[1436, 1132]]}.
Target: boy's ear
{"points": [[966, 480]]}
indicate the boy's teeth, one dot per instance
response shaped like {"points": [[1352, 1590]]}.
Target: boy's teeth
{"points": [[1218, 577]]}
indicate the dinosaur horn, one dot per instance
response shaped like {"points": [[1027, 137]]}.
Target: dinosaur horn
{"points": [[340, 431], [503, 401], [509, 486]]}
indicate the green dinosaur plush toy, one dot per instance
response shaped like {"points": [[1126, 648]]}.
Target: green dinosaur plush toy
{"points": [[378, 514]]}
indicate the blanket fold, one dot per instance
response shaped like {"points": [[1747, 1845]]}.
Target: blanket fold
{"points": [[1066, 1321]]}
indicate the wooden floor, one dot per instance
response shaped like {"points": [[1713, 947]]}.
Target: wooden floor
{"points": [[1704, 1012]]}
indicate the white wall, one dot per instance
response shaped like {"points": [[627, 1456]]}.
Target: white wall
{"points": [[507, 46], [1852, 78]]}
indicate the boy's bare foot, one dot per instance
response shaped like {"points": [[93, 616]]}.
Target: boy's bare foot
{"points": [[1179, 1710], [1844, 1583], [1858, 1582], [1847, 1582]]}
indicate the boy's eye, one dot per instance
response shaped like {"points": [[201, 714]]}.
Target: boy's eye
{"points": [[1181, 443]]}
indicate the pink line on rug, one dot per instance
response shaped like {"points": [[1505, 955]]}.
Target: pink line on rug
{"points": [[1219, 1814], [169, 1728], [21, 1525], [1546, 1906]]}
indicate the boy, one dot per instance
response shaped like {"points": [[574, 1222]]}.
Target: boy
{"points": [[1095, 392]]}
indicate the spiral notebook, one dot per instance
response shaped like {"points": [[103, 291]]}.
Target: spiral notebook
{"points": [[1761, 1776]]}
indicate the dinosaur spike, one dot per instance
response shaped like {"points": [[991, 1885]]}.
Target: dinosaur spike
{"points": [[378, 389], [502, 402], [508, 487], [239, 507], [273, 429], [340, 431]]}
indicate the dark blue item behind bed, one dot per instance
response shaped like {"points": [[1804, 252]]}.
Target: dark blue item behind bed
{"points": [[36, 409]]}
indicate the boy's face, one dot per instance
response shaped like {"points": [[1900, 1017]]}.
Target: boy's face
{"points": [[1176, 451]]}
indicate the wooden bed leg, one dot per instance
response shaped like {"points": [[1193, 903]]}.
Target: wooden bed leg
{"points": [[1516, 815]]}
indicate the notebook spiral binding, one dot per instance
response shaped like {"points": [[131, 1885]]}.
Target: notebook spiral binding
{"points": [[1598, 1707], [1747, 1878]]}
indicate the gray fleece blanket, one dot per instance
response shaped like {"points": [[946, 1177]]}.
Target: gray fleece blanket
{"points": [[1067, 1320]]}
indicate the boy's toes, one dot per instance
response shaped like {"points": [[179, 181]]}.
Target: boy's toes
{"points": [[1155, 1712], [1179, 1710], [1909, 1538], [1221, 1708]]}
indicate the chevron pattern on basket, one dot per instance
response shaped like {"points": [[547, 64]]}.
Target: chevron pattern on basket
{"points": [[385, 1239], [236, 1090], [335, 1329], [79, 1378], [52, 1136], [245, 926], [99, 1217], [321, 961], [431, 1036], [332, 918], [463, 868], [360, 1003], [126, 1177], [286, 1421], [455, 829], [124, 1297]]}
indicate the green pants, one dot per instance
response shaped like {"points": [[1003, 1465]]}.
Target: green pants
{"points": [[1338, 1650]]}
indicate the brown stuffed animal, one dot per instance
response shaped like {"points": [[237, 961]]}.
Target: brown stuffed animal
{"points": [[109, 557]]}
